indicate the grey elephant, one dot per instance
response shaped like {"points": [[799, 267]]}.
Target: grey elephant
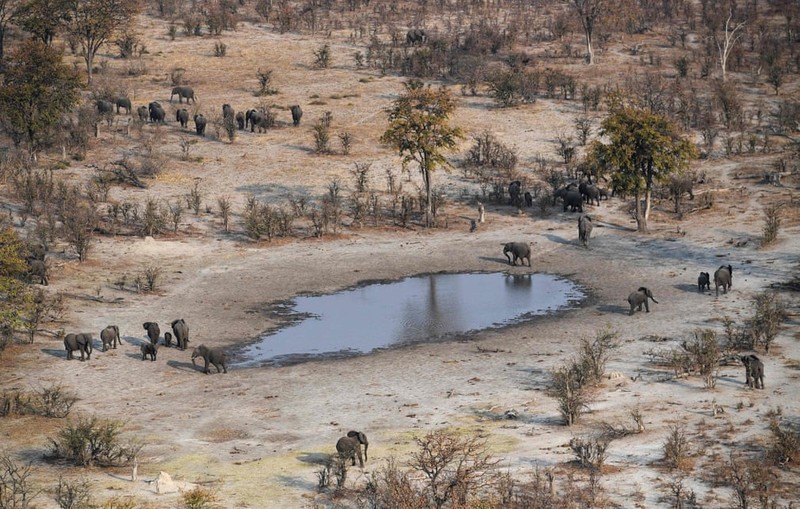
{"points": [[257, 120], [153, 331], [149, 350], [515, 193], [572, 200], [183, 93], [110, 337], [585, 227], [200, 124], [639, 298], [227, 111], [517, 250], [143, 113], [528, 199], [215, 356], [247, 117], [124, 103], [723, 277], [168, 339], [703, 282], [297, 114], [81, 342], [416, 37], [589, 192], [182, 116], [157, 112], [349, 447], [104, 107], [240, 120], [181, 331], [37, 271], [753, 371]]}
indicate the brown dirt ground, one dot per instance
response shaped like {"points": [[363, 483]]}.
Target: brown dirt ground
{"points": [[258, 436]]}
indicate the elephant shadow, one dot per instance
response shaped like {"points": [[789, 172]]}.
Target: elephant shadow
{"points": [[58, 353], [688, 287], [297, 482], [613, 309], [187, 366], [558, 239], [134, 355], [314, 458], [496, 259]]}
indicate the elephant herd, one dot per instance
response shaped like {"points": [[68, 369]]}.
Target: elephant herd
{"points": [[155, 113], [110, 337]]}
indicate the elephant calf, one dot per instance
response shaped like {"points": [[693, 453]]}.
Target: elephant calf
{"points": [[639, 298], [149, 349], [723, 277], [215, 356], [110, 337], [585, 227], [153, 331], [703, 282], [349, 447], [519, 250], [753, 371]]}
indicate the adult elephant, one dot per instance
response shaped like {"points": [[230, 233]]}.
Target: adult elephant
{"points": [[416, 37], [227, 111], [753, 371], [183, 93], [124, 103], [572, 200], [157, 113], [257, 119], [81, 342], [240, 120], [37, 272], [640, 298], [215, 356], [153, 331], [110, 337], [723, 277], [515, 192], [104, 107], [248, 116], [585, 227], [297, 114], [349, 447], [517, 251], [143, 113], [182, 116], [200, 124], [181, 331], [590, 193]]}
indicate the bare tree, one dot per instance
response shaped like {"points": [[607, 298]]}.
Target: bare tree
{"points": [[726, 45], [589, 11]]}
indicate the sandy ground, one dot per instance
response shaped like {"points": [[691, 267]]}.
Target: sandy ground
{"points": [[258, 436]]}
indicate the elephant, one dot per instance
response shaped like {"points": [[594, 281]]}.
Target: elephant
{"points": [[110, 337], [215, 356], [247, 117], [257, 120], [143, 113], [528, 199], [723, 277], [297, 114], [240, 120], [82, 342], [515, 193], [123, 102], [753, 371], [157, 113], [104, 107], [183, 92], [37, 271], [519, 250], [182, 116], [585, 227], [703, 282], [639, 299], [149, 349], [181, 331], [416, 37], [590, 193], [349, 447], [573, 200], [153, 331], [603, 192], [227, 111], [168, 339], [200, 124]]}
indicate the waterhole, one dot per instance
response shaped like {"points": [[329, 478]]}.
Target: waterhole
{"points": [[430, 307]]}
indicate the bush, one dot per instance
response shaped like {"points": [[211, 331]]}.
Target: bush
{"points": [[91, 442], [703, 355], [568, 386], [322, 57], [676, 447], [768, 314], [15, 487], [772, 224], [590, 452], [594, 354], [785, 446], [198, 498], [74, 494], [220, 48]]}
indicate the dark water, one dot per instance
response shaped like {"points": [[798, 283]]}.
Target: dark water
{"points": [[412, 310]]}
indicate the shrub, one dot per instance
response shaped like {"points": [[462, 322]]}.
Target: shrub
{"points": [[322, 137], [53, 401], [594, 353], [768, 314], [703, 355], [224, 204], [772, 224], [93, 441], [568, 387], [73, 494], [590, 452], [265, 82], [15, 488], [785, 447], [198, 498], [676, 447], [322, 57], [220, 48]]}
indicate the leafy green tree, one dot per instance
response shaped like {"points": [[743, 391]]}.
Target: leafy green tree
{"points": [[9, 11], [93, 23], [43, 18], [12, 290], [644, 148], [37, 89], [419, 129]]}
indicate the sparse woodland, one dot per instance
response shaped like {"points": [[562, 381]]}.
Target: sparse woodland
{"points": [[373, 140]]}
